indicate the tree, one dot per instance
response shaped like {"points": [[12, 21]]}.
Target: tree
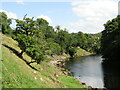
{"points": [[110, 40], [26, 26], [50, 33], [31, 46], [53, 48], [72, 51], [57, 28], [30, 38], [62, 40], [42, 24], [5, 24]]}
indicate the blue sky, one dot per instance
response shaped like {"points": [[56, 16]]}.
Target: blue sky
{"points": [[87, 16], [57, 11]]}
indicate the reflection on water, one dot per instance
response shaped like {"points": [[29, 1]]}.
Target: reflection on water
{"points": [[95, 72], [88, 69], [112, 74]]}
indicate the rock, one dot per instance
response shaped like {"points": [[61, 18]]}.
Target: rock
{"points": [[34, 72], [78, 78], [41, 79], [62, 69], [64, 72], [56, 74], [89, 88], [41, 69], [35, 78]]}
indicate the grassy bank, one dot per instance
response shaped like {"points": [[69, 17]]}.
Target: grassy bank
{"points": [[17, 74], [81, 52]]}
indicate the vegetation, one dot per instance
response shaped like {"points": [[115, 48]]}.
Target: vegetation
{"points": [[17, 74], [37, 38], [71, 51], [34, 41], [110, 41], [5, 23], [81, 52]]}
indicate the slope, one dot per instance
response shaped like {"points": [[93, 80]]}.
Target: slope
{"points": [[16, 73]]}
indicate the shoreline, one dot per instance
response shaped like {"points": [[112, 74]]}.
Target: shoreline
{"points": [[60, 62]]}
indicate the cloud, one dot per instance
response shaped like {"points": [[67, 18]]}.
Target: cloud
{"points": [[93, 14], [20, 2], [45, 17], [9, 14]]}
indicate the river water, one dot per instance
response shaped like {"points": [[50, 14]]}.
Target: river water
{"points": [[90, 70]]}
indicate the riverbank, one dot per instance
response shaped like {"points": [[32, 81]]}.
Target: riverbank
{"points": [[59, 61], [82, 52], [84, 70], [16, 73]]}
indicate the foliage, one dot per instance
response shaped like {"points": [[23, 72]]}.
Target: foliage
{"points": [[31, 46], [72, 51], [54, 48], [62, 40], [22, 76], [5, 24], [28, 38], [110, 41], [37, 38]]}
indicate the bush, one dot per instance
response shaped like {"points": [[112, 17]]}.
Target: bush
{"points": [[53, 48], [72, 51]]}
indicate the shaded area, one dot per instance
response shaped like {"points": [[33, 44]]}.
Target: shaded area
{"points": [[19, 55], [111, 70]]}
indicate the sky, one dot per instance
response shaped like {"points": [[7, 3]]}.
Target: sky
{"points": [[87, 16]]}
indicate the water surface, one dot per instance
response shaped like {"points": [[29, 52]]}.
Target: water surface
{"points": [[88, 69]]}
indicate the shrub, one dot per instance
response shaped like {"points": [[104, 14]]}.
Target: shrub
{"points": [[72, 51]]}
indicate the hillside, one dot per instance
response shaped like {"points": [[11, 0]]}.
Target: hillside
{"points": [[16, 73]]}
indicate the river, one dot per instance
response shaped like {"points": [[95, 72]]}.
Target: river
{"points": [[91, 70]]}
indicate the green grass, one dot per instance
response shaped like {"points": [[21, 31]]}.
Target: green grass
{"points": [[70, 82], [17, 74], [81, 52]]}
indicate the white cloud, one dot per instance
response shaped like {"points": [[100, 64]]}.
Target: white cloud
{"points": [[93, 14], [10, 14], [46, 18], [20, 2]]}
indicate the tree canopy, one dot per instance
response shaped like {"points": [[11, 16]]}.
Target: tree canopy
{"points": [[110, 40], [5, 23], [38, 39]]}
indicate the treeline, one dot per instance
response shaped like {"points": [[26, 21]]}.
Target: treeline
{"points": [[38, 39], [110, 40]]}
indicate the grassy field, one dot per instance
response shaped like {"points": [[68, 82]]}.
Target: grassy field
{"points": [[17, 74], [81, 52]]}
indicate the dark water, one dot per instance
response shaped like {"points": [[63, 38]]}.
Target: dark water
{"points": [[92, 71]]}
